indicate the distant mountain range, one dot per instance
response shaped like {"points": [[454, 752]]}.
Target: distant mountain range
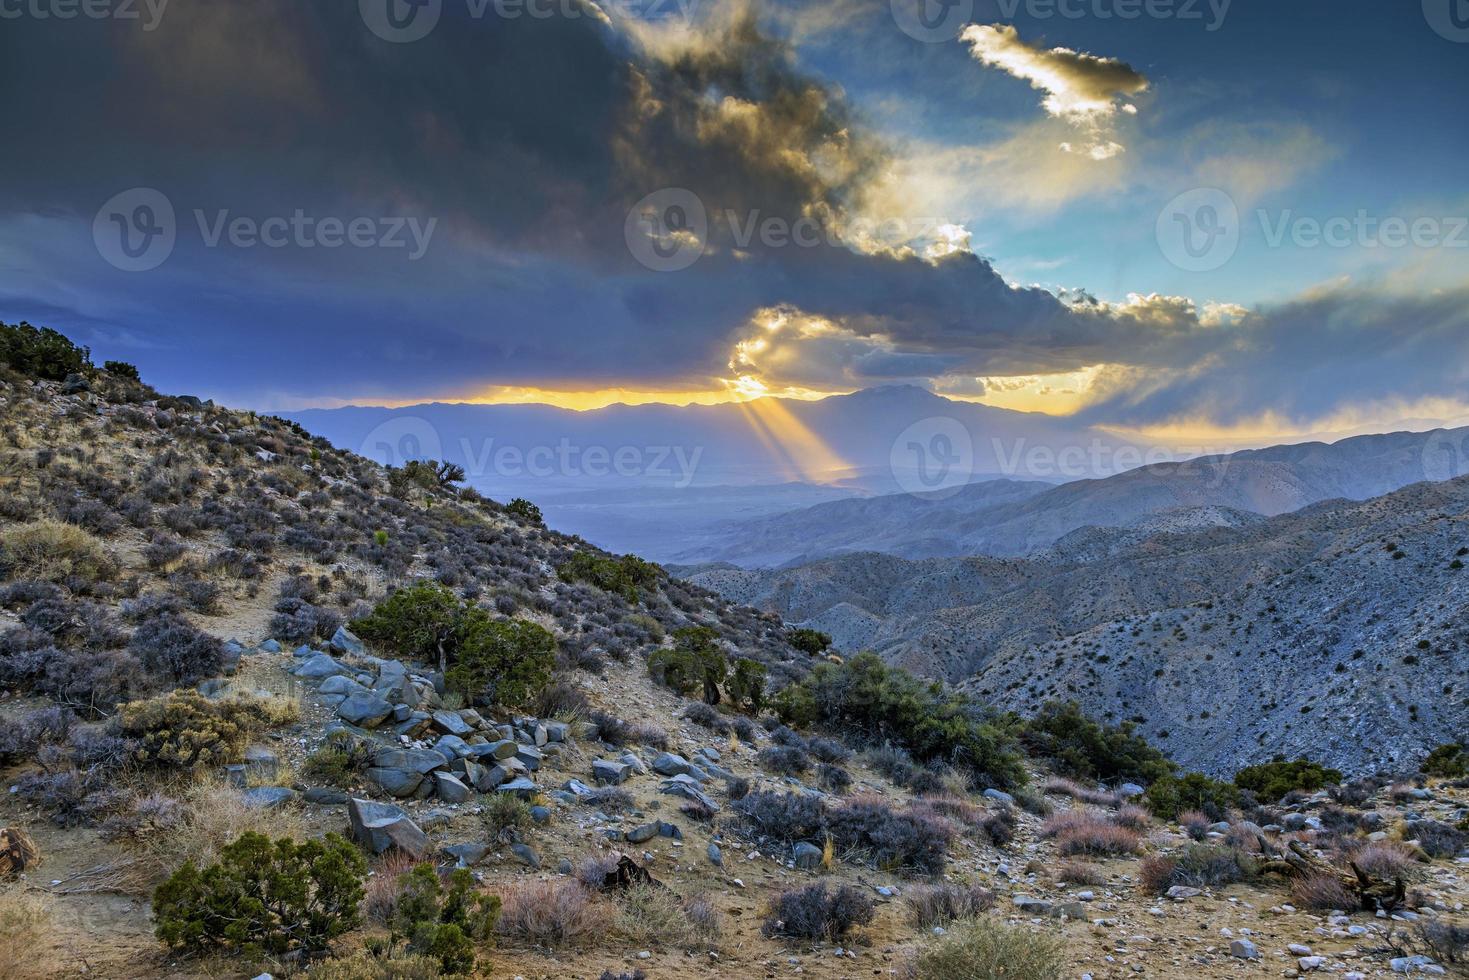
{"points": [[660, 479], [1011, 517]]}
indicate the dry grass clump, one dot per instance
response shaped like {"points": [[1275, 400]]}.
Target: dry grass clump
{"points": [[938, 905], [28, 924], [1197, 866], [53, 552], [366, 966], [1385, 859], [1058, 786], [1322, 893], [1078, 832], [984, 949], [552, 913], [1079, 873], [648, 915], [1194, 823], [196, 828], [964, 813], [1133, 817]]}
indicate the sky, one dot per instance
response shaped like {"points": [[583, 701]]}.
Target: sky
{"points": [[1163, 216]]}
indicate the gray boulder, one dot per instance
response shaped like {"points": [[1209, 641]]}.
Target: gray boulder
{"points": [[807, 856], [320, 666], [342, 685], [365, 709], [608, 773], [267, 797], [448, 788], [419, 760], [669, 764], [381, 826], [401, 783], [522, 787], [467, 853], [345, 641], [643, 834], [450, 723]]}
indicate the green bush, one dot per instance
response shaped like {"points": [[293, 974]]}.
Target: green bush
{"points": [[525, 512], [417, 622], [122, 369], [1447, 762], [443, 923], [263, 897], [1271, 780], [1081, 748], [495, 662], [628, 576], [746, 685], [986, 949], [880, 702], [1171, 795], [41, 352], [809, 641], [693, 663]]}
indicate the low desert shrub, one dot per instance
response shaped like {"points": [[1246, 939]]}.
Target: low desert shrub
{"points": [[1270, 781], [1079, 873], [783, 760], [609, 799], [51, 551], [999, 826], [263, 897], [829, 750], [707, 716], [833, 779], [1082, 748], [552, 913], [787, 817], [168, 645], [1322, 893], [1194, 823], [1449, 761], [184, 730], [651, 915], [985, 949], [444, 920], [891, 839], [1172, 795], [1197, 866], [377, 964], [1439, 840], [505, 816], [938, 905], [1384, 859], [818, 912]]}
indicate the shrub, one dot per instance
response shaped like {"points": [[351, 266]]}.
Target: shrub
{"points": [[892, 839], [525, 512], [53, 552], [1198, 866], [609, 799], [1079, 873], [1079, 747], [816, 912], [990, 949], [999, 826], [263, 897], [41, 352], [168, 645], [787, 817], [505, 816], [783, 760], [1133, 818], [746, 685], [1322, 892], [882, 702], [809, 641], [1448, 761], [551, 913], [1272, 780], [501, 663], [833, 779], [122, 369], [1438, 839], [443, 922], [707, 716], [377, 964], [693, 663], [1194, 823], [829, 750], [651, 915], [1384, 859], [628, 576], [1171, 795], [342, 757], [184, 729], [417, 622], [1080, 833], [938, 905]]}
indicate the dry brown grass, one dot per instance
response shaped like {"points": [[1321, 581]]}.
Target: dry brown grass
{"points": [[1057, 786], [1079, 832], [1322, 893], [53, 551], [1079, 873], [1386, 859], [382, 886], [553, 913], [652, 916], [29, 930]]}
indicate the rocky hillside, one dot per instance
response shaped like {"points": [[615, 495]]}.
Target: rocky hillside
{"points": [[205, 636], [1017, 517], [1229, 639]]}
